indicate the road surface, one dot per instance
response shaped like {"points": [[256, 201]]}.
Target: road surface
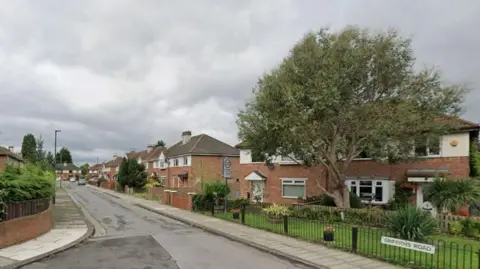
{"points": [[139, 239]]}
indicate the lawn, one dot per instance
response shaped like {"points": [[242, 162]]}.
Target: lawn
{"points": [[451, 252]]}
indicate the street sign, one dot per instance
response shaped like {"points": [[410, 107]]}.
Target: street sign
{"points": [[227, 164], [430, 249]]}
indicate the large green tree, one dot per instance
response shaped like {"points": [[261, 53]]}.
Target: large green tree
{"points": [[41, 153], [29, 148], [159, 143], [64, 156], [84, 168], [339, 94], [49, 158], [132, 173]]}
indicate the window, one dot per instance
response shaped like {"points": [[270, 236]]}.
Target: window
{"points": [[290, 159], [293, 188], [175, 162], [427, 147], [163, 179], [185, 160], [369, 190], [161, 163], [257, 156]]}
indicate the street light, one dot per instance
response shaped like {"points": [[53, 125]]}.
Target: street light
{"points": [[55, 161]]}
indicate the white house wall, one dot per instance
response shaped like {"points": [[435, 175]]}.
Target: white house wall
{"points": [[462, 148]]}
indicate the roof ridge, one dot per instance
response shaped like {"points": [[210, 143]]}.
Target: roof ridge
{"points": [[196, 144]]}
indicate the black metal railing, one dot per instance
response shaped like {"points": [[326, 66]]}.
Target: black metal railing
{"points": [[13, 210], [450, 252]]}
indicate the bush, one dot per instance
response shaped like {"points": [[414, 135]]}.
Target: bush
{"points": [[375, 217], [355, 201], [202, 202], [27, 183], [455, 228], [238, 203], [412, 223], [217, 187], [470, 228], [277, 211]]}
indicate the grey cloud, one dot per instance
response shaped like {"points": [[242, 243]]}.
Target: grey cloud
{"points": [[115, 75]]}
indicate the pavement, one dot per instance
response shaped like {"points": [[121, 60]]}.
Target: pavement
{"points": [[69, 229], [313, 255], [135, 238]]}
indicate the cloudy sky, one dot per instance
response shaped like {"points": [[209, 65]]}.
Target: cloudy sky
{"points": [[119, 74]]}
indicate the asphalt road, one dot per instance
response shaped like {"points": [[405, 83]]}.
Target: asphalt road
{"points": [[139, 239]]}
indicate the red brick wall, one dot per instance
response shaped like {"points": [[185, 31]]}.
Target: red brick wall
{"points": [[23, 229], [3, 162], [181, 201], [458, 166], [209, 168], [273, 183]]}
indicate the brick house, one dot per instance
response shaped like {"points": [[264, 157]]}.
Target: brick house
{"points": [[65, 171], [111, 168], [95, 170], [285, 180], [9, 157], [154, 166], [195, 160]]}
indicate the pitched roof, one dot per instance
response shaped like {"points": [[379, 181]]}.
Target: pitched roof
{"points": [[459, 123], [66, 166], [202, 145], [6, 152], [97, 166], [140, 154], [115, 162], [154, 153]]}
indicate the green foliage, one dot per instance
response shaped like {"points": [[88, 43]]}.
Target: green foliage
{"points": [[277, 211], [471, 228], [340, 93], [49, 159], [216, 187], [355, 201], [455, 228], [474, 160], [84, 169], [64, 156], [29, 148], [159, 143], [203, 202], [238, 203], [412, 223], [452, 194], [132, 174], [27, 183], [401, 198], [41, 154]]}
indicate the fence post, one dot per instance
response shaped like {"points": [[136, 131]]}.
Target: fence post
{"points": [[354, 239], [285, 224], [242, 213]]}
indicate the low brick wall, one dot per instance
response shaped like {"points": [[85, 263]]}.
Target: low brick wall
{"points": [[19, 230]]}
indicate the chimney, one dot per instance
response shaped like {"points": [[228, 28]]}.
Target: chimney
{"points": [[11, 148], [186, 135], [114, 157], [65, 164], [149, 148]]}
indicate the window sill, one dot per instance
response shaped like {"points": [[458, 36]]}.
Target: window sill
{"points": [[374, 203], [290, 163], [289, 197]]}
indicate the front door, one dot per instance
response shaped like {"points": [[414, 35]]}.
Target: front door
{"points": [[257, 190]]}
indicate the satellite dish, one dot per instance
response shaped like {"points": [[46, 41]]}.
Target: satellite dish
{"points": [[428, 207]]}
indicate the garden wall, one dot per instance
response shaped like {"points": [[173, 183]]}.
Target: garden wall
{"points": [[19, 230]]}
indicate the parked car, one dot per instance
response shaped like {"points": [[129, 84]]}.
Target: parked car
{"points": [[72, 179], [82, 181]]}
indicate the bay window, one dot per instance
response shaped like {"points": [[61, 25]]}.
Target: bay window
{"points": [[293, 187], [374, 190]]}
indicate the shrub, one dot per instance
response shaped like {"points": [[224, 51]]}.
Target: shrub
{"points": [[238, 203], [217, 187], [401, 198], [355, 201], [374, 216], [470, 228], [411, 223], [277, 211], [27, 183], [455, 228], [202, 202]]}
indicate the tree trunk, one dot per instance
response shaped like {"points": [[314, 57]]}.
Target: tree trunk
{"points": [[342, 197]]}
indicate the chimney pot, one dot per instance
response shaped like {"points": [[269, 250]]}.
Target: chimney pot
{"points": [[186, 135], [10, 148], [149, 148]]}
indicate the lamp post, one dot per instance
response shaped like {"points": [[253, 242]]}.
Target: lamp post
{"points": [[55, 159]]}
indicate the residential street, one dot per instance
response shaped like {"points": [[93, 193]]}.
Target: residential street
{"points": [[137, 238]]}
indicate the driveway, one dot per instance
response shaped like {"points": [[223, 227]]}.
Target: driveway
{"points": [[136, 238]]}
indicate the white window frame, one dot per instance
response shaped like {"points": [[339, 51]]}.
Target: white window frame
{"points": [[163, 180], [427, 148], [161, 163], [185, 161], [384, 184], [176, 162], [288, 159], [294, 182]]}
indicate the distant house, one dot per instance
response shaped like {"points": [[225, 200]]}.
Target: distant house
{"points": [[9, 157], [65, 171], [111, 168]]}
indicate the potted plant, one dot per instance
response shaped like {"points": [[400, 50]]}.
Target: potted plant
{"points": [[236, 213], [328, 234], [275, 213]]}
